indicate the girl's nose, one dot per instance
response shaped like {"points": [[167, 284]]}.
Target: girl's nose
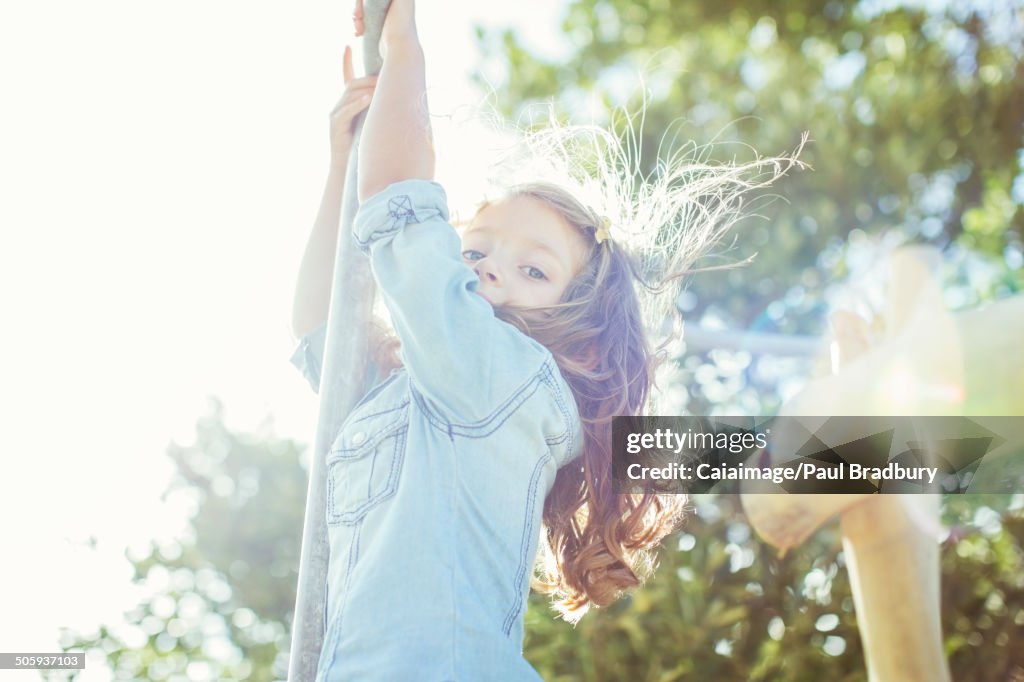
{"points": [[486, 271]]}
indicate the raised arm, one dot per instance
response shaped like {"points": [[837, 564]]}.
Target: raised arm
{"points": [[396, 141], [313, 288]]}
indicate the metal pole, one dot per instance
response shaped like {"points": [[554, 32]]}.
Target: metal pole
{"points": [[342, 374], [757, 343]]}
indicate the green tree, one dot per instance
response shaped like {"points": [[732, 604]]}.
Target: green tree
{"points": [[221, 597], [721, 605], [916, 117], [724, 606]]}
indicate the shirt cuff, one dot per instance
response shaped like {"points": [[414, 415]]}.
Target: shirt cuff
{"points": [[308, 357], [410, 201]]}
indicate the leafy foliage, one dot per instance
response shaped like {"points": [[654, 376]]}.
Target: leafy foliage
{"points": [[722, 605], [916, 114], [220, 598], [725, 606]]}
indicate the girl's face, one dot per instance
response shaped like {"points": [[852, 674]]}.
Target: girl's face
{"points": [[524, 253]]}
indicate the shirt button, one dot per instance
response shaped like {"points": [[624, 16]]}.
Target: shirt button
{"points": [[359, 438]]}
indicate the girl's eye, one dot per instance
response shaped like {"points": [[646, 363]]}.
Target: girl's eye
{"points": [[533, 273], [471, 254]]}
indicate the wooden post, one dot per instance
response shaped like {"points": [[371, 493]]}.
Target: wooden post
{"points": [[343, 373]]}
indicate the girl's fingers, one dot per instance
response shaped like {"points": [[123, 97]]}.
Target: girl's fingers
{"points": [[355, 89], [346, 68], [359, 27], [353, 96], [348, 110], [353, 93], [362, 82], [357, 18]]}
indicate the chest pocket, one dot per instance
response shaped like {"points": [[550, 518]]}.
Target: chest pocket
{"points": [[365, 461]]}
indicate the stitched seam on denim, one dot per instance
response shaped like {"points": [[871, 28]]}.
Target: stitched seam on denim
{"points": [[353, 555], [377, 235], [348, 517], [513, 396], [434, 419], [449, 428], [381, 433], [353, 552], [330, 639], [552, 384], [359, 451], [485, 427], [377, 414], [401, 214], [516, 396], [330, 635], [372, 393], [524, 544], [327, 601], [453, 659], [507, 412]]}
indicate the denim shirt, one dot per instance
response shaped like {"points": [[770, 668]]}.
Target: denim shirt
{"points": [[437, 479]]}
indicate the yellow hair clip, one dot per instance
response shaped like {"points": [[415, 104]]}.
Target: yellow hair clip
{"points": [[603, 233]]}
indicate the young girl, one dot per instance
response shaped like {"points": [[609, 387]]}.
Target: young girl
{"points": [[518, 346]]}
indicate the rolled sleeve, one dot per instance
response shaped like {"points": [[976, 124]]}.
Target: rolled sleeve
{"points": [[385, 214], [308, 357], [457, 353]]}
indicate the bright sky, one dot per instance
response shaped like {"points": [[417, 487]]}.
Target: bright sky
{"points": [[160, 167]]}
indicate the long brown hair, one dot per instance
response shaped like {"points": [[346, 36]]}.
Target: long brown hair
{"points": [[597, 543]]}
